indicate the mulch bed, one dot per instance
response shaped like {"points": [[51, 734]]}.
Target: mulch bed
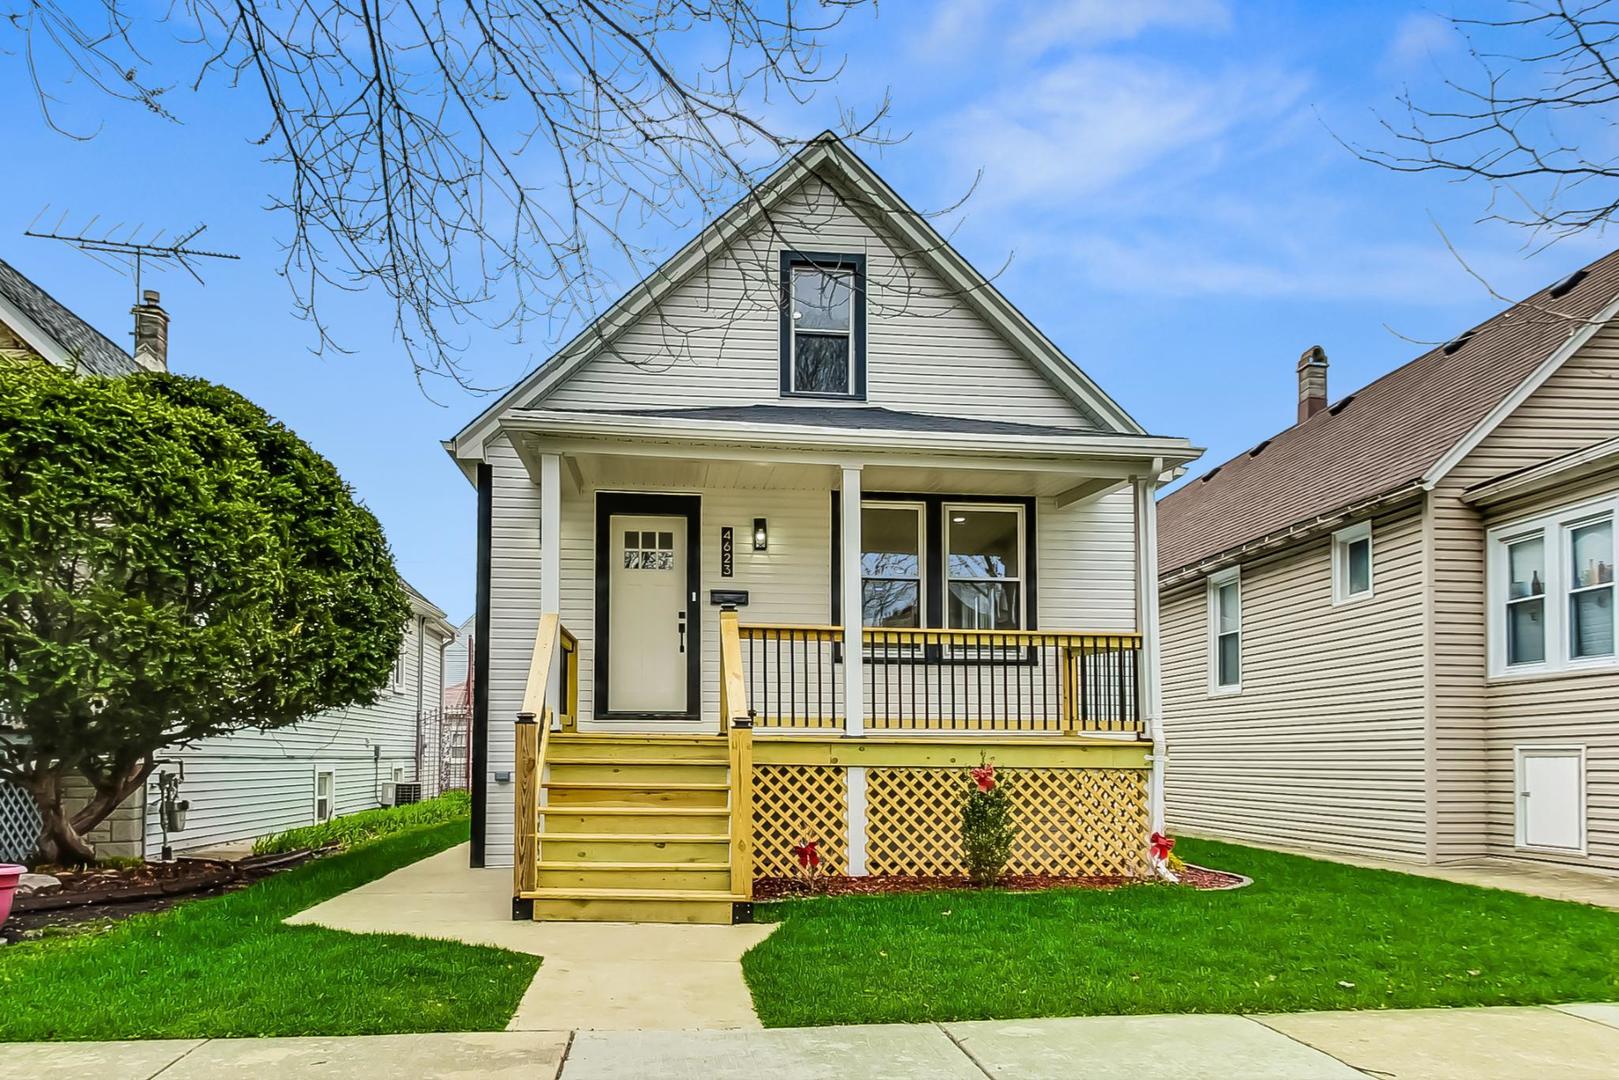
{"points": [[107, 894], [783, 888]]}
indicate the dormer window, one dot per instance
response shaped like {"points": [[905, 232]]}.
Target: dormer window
{"points": [[823, 325]]}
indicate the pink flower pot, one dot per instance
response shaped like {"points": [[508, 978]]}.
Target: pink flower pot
{"points": [[9, 873]]}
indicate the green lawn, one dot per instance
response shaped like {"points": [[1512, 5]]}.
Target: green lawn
{"points": [[1307, 935], [229, 967]]}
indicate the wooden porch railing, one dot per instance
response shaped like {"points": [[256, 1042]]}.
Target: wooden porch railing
{"points": [[948, 680], [736, 723], [550, 698]]}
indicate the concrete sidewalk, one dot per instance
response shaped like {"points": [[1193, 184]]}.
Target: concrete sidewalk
{"points": [[1571, 1042]]}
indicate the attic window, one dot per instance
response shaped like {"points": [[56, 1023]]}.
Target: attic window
{"points": [[1343, 403], [1567, 285], [1455, 344], [823, 325], [1256, 450]]}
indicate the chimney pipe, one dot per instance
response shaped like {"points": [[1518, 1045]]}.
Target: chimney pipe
{"points": [[1312, 382], [151, 333]]}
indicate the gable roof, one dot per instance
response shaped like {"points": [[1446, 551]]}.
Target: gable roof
{"points": [[826, 157], [54, 331], [1405, 428]]}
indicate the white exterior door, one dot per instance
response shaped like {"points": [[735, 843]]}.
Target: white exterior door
{"points": [[1551, 798], [648, 635]]}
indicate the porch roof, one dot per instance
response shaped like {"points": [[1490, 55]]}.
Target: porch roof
{"points": [[852, 417]]}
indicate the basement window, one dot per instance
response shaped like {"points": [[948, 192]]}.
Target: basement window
{"points": [[325, 793]]}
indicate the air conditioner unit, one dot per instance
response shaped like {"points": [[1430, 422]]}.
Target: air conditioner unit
{"points": [[407, 792], [390, 793]]}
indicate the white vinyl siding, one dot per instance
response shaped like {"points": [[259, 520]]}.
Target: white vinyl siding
{"points": [[1324, 746], [716, 338], [250, 783]]}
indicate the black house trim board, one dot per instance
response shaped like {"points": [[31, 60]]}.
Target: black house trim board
{"points": [[480, 668], [827, 260], [690, 507]]}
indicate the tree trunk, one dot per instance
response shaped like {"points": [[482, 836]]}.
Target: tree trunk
{"points": [[59, 841]]}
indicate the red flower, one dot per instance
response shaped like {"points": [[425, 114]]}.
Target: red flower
{"points": [[1162, 845], [984, 777], [808, 857]]}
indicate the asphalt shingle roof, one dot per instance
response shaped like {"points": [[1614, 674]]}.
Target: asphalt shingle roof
{"points": [[95, 352], [1387, 436]]}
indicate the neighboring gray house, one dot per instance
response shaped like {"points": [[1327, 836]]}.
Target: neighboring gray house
{"points": [[1388, 630], [252, 782]]}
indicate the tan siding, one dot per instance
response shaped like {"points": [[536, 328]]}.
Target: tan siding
{"points": [[1577, 406], [715, 339], [1324, 747], [1569, 709]]}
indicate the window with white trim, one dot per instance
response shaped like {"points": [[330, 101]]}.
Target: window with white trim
{"points": [[983, 566], [893, 559], [1352, 563], [1225, 632], [325, 802], [399, 661], [1551, 592]]}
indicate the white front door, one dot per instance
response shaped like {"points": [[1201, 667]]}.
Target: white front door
{"points": [[1551, 798], [648, 634]]}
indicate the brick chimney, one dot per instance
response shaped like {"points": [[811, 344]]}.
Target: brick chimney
{"points": [[151, 333], [1312, 382]]}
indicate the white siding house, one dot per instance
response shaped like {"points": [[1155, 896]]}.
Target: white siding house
{"points": [[818, 446]]}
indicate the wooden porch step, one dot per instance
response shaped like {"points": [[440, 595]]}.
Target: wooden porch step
{"points": [[633, 905], [677, 876], [708, 821], [624, 749], [673, 770], [651, 791], [656, 848]]}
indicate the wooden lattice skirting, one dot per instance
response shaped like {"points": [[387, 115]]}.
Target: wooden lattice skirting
{"points": [[1079, 821]]}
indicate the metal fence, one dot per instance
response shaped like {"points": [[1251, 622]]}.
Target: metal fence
{"points": [[446, 740]]}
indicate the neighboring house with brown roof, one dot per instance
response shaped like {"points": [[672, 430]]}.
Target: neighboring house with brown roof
{"points": [[1389, 629]]}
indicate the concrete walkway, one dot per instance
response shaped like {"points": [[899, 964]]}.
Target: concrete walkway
{"points": [[619, 976], [1573, 1042]]}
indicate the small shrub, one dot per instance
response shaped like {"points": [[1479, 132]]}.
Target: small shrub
{"points": [[355, 829], [986, 826]]}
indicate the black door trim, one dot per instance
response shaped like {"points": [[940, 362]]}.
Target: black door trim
{"points": [[479, 780], [690, 507]]}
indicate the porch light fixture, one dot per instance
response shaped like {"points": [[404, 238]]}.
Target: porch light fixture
{"points": [[761, 535]]}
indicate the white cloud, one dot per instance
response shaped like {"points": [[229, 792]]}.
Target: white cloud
{"points": [[1419, 38], [1095, 22], [1092, 124]]}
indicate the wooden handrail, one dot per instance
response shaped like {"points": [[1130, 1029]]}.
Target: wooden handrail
{"points": [[540, 711], [733, 683]]}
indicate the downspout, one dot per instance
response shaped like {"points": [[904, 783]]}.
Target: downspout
{"points": [[421, 680]]}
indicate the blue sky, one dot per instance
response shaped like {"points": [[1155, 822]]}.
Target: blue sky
{"points": [[1162, 174]]}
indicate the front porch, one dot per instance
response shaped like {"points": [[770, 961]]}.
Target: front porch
{"points": [[698, 706]]}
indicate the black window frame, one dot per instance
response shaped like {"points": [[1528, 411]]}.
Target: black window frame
{"points": [[855, 265], [933, 593]]}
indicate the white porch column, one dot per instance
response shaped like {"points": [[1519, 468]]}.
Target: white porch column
{"points": [[550, 533], [854, 706], [1146, 517]]}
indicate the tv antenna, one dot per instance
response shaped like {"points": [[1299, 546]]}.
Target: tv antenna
{"points": [[119, 243]]}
